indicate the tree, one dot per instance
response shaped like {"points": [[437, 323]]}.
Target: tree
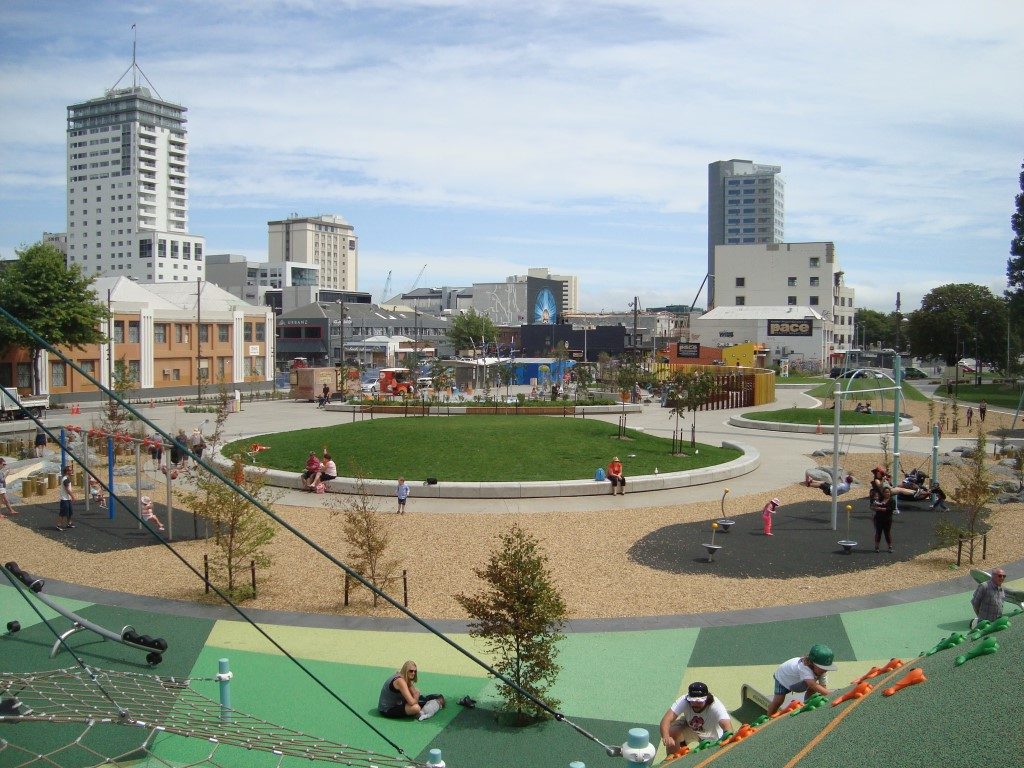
{"points": [[689, 390], [583, 375], [440, 375], [1015, 264], [242, 531], [959, 313], [506, 373], [519, 614], [875, 328], [368, 535], [53, 299], [974, 489], [468, 330]]}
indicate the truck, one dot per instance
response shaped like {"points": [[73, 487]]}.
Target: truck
{"points": [[15, 406], [396, 381], [308, 383]]}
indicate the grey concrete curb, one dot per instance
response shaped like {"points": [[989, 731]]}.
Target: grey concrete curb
{"points": [[906, 425], [460, 409], [748, 462]]}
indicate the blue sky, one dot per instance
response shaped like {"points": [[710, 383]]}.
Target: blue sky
{"points": [[483, 137]]}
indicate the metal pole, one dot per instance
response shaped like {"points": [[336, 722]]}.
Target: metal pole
{"points": [[199, 339], [170, 502], [837, 400], [63, 449], [935, 458], [110, 477], [85, 469], [897, 370], [138, 480], [224, 681]]}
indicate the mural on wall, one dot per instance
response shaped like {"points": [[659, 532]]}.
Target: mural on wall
{"points": [[545, 310], [503, 304]]}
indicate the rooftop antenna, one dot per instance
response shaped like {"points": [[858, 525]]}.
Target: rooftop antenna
{"points": [[136, 70]]}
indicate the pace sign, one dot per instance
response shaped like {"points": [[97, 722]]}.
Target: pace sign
{"points": [[686, 349], [790, 328]]}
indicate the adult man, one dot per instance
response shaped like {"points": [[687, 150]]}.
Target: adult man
{"points": [[987, 600], [826, 485], [697, 715], [67, 499], [803, 674]]}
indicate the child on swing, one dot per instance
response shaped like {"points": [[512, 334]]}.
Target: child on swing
{"points": [[148, 514]]}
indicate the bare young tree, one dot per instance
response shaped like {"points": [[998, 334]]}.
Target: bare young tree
{"points": [[973, 490], [367, 533]]}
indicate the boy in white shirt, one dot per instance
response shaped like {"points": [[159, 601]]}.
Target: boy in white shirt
{"points": [[803, 674]]}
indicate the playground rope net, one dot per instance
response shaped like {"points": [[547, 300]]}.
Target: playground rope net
{"points": [[162, 705]]}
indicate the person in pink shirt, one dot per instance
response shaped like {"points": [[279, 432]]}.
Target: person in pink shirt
{"points": [[766, 515]]}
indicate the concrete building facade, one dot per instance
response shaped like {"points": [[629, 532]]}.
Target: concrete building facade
{"points": [[746, 205], [127, 189], [250, 280], [798, 334], [788, 274], [327, 242]]}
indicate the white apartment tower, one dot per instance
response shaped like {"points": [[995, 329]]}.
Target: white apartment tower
{"points": [[746, 205], [128, 188], [327, 241]]}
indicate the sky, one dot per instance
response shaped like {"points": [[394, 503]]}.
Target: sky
{"points": [[475, 139]]}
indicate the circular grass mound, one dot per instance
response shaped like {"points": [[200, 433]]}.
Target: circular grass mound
{"points": [[479, 449], [814, 415]]}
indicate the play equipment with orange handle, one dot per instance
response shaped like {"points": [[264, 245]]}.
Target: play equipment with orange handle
{"points": [[861, 690], [742, 732], [876, 671], [913, 677], [984, 648], [795, 704]]}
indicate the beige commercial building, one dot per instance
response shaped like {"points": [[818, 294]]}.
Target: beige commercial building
{"points": [[329, 242]]}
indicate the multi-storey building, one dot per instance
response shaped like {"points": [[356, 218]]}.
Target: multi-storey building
{"points": [[127, 171], [746, 205], [250, 280], [788, 275], [329, 242]]}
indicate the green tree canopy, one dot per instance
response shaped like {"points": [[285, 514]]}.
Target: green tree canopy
{"points": [[959, 312], [468, 330], [1015, 264], [54, 300], [875, 328]]}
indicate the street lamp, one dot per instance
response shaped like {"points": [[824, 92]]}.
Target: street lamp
{"points": [[956, 360]]}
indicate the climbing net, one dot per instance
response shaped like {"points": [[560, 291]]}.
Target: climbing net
{"points": [[162, 705]]}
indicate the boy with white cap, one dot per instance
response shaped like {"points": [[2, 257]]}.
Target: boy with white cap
{"points": [[803, 674], [697, 715]]}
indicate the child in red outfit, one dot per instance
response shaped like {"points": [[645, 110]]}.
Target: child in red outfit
{"points": [[766, 515]]}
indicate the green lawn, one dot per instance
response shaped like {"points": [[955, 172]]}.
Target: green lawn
{"points": [[826, 390], [479, 448], [1001, 395], [812, 415]]}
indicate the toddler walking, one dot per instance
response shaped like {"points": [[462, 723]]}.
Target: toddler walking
{"points": [[766, 515]]}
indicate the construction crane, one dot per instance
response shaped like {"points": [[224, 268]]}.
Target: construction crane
{"points": [[419, 277], [387, 287]]}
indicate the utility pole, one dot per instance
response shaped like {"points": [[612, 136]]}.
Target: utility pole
{"points": [[199, 338], [636, 318]]}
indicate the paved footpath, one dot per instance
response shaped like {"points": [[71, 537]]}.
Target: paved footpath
{"points": [[784, 455]]}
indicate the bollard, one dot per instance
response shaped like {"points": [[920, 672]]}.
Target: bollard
{"points": [[51, 480], [435, 760], [40, 486], [28, 488], [223, 678], [638, 747]]}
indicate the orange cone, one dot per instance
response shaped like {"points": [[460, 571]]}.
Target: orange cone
{"points": [[913, 677]]}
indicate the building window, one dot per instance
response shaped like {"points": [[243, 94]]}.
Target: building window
{"points": [[176, 374], [261, 331], [204, 334], [160, 333], [247, 331], [814, 301], [814, 282], [161, 248], [24, 375], [815, 262], [791, 301], [134, 371], [133, 332], [58, 374], [223, 332], [88, 366], [741, 301], [741, 282], [119, 331], [791, 281], [181, 334]]}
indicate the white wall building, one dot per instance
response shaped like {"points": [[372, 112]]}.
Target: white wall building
{"points": [[788, 274], [570, 286], [127, 186], [250, 280], [797, 333], [329, 242]]}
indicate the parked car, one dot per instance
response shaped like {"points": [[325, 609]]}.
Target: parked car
{"points": [[424, 381], [371, 387]]}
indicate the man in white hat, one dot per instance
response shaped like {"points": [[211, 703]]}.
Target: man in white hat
{"points": [[697, 715]]}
